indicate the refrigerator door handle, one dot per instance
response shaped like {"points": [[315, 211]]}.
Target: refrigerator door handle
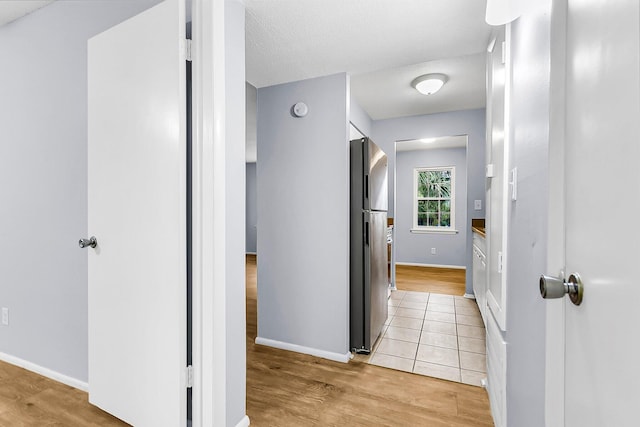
{"points": [[366, 233], [366, 188]]}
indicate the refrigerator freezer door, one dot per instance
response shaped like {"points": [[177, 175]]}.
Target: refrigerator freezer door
{"points": [[376, 163]]}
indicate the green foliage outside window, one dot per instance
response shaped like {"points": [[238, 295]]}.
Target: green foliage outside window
{"points": [[434, 192]]}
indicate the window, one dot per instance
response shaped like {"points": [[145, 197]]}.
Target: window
{"points": [[434, 199]]}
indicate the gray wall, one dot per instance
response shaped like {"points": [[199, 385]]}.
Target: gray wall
{"points": [[251, 195], [252, 209], [43, 156], [527, 244], [416, 247], [303, 226], [468, 122], [358, 117], [251, 105]]}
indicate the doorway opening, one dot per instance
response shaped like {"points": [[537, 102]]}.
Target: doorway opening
{"points": [[434, 326]]}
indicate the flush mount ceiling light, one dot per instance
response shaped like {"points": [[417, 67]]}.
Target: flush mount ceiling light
{"points": [[429, 84]]}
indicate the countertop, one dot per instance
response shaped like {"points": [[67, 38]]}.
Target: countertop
{"points": [[479, 230], [477, 226]]}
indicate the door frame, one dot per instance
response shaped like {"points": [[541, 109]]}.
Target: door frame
{"points": [[209, 219], [555, 309]]}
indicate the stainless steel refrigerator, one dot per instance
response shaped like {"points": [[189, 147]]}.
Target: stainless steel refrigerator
{"points": [[368, 256]]}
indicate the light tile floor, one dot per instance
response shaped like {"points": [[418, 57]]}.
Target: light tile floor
{"points": [[436, 335]]}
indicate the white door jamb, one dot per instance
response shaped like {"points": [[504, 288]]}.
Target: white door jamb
{"points": [[209, 259]]}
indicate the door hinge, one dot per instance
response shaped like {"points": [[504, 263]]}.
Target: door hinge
{"points": [[189, 376], [489, 171], [187, 49], [514, 184]]}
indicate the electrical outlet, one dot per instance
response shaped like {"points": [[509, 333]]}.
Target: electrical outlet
{"points": [[433, 251], [5, 316], [477, 205]]}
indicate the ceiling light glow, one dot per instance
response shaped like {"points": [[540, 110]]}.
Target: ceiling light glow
{"points": [[429, 84], [501, 12]]}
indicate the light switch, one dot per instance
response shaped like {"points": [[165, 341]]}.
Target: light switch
{"points": [[477, 205]]}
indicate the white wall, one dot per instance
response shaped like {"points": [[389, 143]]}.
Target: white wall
{"points": [[416, 247], [468, 122], [43, 156], [303, 226], [527, 244]]}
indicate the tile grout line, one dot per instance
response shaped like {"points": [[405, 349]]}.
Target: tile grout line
{"points": [[415, 359], [455, 318]]}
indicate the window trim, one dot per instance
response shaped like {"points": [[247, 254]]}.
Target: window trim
{"points": [[451, 229]]}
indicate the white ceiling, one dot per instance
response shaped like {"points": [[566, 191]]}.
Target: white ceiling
{"points": [[388, 93], [10, 10], [383, 44]]}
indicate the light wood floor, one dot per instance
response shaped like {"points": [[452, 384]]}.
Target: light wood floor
{"points": [[283, 389], [291, 389], [448, 281], [28, 399]]}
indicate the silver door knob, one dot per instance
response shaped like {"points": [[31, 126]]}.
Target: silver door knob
{"points": [[91, 241], [554, 287]]}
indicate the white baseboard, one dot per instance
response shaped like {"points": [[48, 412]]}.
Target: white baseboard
{"points": [[45, 372], [338, 357], [470, 296], [244, 422], [251, 253], [416, 264]]}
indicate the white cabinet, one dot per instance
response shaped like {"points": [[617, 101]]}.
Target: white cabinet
{"points": [[496, 371], [480, 273]]}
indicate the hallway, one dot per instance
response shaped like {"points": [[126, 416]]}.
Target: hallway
{"points": [[283, 389]]}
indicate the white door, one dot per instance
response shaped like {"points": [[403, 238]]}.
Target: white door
{"points": [[137, 212], [602, 173]]}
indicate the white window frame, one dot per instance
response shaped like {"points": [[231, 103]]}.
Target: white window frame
{"points": [[451, 229]]}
